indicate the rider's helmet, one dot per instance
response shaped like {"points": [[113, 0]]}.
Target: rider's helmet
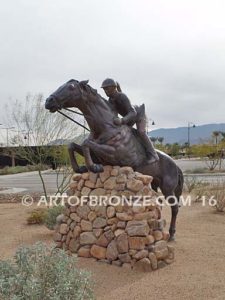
{"points": [[108, 82]]}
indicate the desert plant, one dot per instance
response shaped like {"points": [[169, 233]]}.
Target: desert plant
{"points": [[40, 272], [51, 215], [36, 216], [217, 192], [191, 183]]}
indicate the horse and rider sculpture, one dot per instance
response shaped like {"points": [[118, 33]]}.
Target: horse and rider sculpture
{"points": [[113, 140]]}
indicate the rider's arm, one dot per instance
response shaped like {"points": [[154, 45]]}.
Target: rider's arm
{"points": [[132, 113]]}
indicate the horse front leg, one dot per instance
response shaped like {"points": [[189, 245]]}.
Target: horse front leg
{"points": [[90, 145], [72, 148]]}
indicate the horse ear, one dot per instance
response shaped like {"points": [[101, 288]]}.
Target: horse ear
{"points": [[83, 83]]}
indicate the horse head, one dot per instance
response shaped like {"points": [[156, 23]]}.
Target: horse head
{"points": [[67, 95]]}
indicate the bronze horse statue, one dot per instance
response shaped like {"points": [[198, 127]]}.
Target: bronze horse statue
{"points": [[110, 144]]}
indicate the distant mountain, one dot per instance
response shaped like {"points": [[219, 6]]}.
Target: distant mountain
{"points": [[198, 134]]}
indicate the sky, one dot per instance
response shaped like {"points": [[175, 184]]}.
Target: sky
{"points": [[169, 55]]}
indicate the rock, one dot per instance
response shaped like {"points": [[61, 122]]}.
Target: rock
{"points": [[122, 178], [80, 185], [57, 237], [98, 184], [153, 260], [118, 232], [160, 245], [100, 210], [134, 185], [76, 231], [93, 177], [105, 175], [143, 265], [121, 224], [102, 241], [112, 221], [63, 229], [73, 185], [75, 217], [137, 228], [125, 258], [162, 254], [72, 225], [112, 252], [150, 239], [157, 235], [87, 238], [98, 192], [120, 187], [144, 178], [86, 225], [97, 232], [85, 176], [166, 235], [111, 212], [76, 177], [109, 235], [168, 261], [85, 191], [117, 263], [115, 171], [122, 243], [98, 252], [74, 245], [161, 264], [125, 170], [138, 208], [141, 254], [132, 252], [83, 211], [110, 183], [59, 219], [137, 243], [84, 252], [89, 184], [148, 215], [92, 216], [124, 216], [99, 222]]}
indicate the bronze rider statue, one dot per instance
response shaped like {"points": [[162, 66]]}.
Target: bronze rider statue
{"points": [[121, 104]]}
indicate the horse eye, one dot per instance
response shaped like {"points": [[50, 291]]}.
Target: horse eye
{"points": [[71, 86]]}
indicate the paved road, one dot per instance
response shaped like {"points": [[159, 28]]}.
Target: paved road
{"points": [[31, 181]]}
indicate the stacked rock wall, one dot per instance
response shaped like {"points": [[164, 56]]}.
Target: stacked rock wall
{"points": [[112, 230]]}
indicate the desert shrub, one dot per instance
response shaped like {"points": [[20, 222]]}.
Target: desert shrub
{"points": [[39, 272], [51, 215], [36, 216], [217, 192], [21, 169], [191, 183]]}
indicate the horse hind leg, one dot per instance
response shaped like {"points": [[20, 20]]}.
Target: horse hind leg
{"points": [[172, 201]]}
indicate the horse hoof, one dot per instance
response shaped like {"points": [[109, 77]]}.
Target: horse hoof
{"points": [[82, 169], [171, 238], [96, 168]]}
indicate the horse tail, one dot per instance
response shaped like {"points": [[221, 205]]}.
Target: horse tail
{"points": [[118, 87], [179, 187]]}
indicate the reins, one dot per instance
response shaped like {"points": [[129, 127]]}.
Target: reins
{"points": [[73, 119]]}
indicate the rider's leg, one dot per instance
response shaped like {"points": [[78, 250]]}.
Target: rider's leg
{"points": [[150, 150]]}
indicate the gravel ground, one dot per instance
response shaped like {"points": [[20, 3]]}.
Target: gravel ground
{"points": [[197, 273]]}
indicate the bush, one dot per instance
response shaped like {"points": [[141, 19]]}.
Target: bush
{"points": [[39, 272], [51, 215], [36, 216], [217, 192]]}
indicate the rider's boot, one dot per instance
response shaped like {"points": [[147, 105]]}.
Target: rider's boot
{"points": [[152, 156]]}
